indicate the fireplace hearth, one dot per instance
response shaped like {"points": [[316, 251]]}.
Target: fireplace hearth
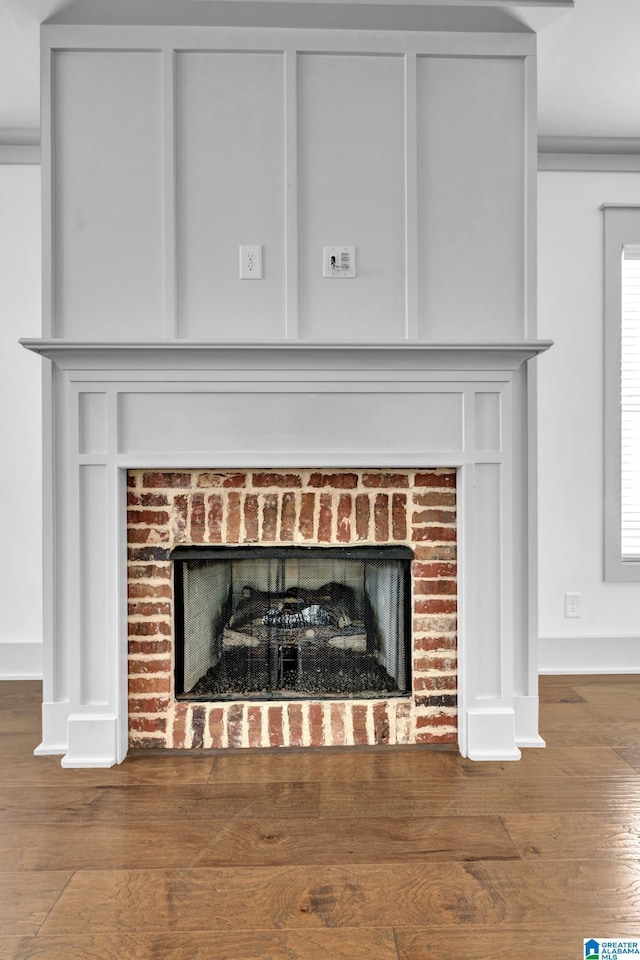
{"points": [[286, 622]]}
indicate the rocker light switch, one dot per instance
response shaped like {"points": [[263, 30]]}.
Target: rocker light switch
{"points": [[339, 262]]}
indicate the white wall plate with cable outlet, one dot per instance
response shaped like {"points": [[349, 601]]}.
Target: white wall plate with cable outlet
{"points": [[339, 262]]}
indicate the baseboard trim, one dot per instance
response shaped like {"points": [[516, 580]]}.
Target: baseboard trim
{"points": [[583, 655], [20, 660]]}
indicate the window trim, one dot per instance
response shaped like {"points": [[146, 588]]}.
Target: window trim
{"points": [[621, 226]]}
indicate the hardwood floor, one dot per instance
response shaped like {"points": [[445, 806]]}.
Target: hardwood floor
{"points": [[354, 854]]}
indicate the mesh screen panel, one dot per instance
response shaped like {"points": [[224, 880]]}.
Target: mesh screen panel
{"points": [[206, 591], [290, 626]]}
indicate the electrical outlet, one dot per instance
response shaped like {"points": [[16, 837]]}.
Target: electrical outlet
{"points": [[251, 262], [572, 604]]}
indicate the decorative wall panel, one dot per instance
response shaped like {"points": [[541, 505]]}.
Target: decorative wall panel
{"points": [[229, 191], [265, 420], [109, 196], [471, 184], [352, 193]]}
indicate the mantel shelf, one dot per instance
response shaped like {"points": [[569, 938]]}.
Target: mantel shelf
{"points": [[288, 355]]}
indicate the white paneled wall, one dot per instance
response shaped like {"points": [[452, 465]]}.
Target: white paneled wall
{"points": [[410, 147]]}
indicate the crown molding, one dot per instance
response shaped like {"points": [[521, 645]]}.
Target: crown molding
{"points": [[570, 154], [19, 145], [589, 154]]}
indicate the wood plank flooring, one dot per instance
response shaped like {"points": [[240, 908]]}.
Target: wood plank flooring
{"points": [[353, 854]]}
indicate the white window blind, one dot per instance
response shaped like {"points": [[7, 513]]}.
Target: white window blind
{"points": [[630, 404]]}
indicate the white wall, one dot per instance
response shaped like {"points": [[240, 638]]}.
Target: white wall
{"points": [[20, 424], [607, 635]]}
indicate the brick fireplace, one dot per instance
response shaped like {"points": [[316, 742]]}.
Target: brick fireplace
{"points": [[416, 508], [185, 423], [164, 367]]}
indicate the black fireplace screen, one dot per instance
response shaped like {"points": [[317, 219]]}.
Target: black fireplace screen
{"points": [[261, 622]]}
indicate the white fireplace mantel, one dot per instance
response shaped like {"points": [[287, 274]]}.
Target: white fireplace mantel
{"points": [[190, 354], [120, 404]]}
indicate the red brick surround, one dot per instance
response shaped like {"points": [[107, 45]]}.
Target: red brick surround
{"points": [[412, 507]]}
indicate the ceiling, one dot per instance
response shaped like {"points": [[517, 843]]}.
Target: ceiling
{"points": [[589, 68]]}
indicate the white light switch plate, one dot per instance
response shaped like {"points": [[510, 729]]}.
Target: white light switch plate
{"points": [[339, 262]]}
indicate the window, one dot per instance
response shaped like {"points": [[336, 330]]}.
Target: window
{"points": [[622, 392], [630, 403]]}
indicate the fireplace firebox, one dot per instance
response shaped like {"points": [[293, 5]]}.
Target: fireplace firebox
{"points": [[289, 622]]}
